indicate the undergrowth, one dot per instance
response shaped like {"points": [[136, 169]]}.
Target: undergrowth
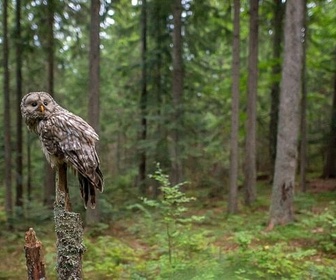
{"points": [[172, 237]]}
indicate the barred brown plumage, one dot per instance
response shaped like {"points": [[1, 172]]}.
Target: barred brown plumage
{"points": [[65, 138]]}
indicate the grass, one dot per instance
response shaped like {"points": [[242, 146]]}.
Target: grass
{"points": [[134, 246]]}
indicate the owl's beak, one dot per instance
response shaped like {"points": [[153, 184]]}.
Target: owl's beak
{"points": [[42, 108]]}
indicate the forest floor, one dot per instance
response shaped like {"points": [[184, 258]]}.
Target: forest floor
{"points": [[138, 244]]}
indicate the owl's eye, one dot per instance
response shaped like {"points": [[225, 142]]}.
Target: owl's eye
{"points": [[34, 104], [45, 103]]}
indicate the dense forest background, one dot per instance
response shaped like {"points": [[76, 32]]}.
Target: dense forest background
{"points": [[194, 85]]}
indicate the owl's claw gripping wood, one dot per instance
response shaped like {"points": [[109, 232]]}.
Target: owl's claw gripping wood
{"points": [[66, 139]]}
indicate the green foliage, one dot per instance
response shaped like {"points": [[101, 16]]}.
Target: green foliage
{"points": [[243, 239], [135, 245], [108, 258], [324, 228], [172, 214]]}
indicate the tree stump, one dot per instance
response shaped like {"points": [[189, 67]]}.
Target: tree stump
{"points": [[34, 256], [69, 232]]}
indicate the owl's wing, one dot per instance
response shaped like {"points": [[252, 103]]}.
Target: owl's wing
{"points": [[75, 139]]}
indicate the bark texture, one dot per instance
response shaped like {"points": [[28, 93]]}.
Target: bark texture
{"points": [[329, 170], [303, 125], [49, 178], [177, 85], [69, 232], [143, 101], [281, 210], [276, 72], [7, 118], [92, 215], [34, 256], [18, 157], [250, 167], [233, 192]]}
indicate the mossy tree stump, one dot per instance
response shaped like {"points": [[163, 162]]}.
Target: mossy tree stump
{"points": [[69, 232]]}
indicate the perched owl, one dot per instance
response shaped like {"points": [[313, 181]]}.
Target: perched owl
{"points": [[65, 138]]}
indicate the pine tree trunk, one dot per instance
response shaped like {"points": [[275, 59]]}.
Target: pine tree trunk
{"points": [[92, 215], [7, 119], [18, 159], [329, 170], [49, 178], [250, 166], [281, 210], [143, 100], [177, 85], [303, 125], [276, 72], [233, 192]]}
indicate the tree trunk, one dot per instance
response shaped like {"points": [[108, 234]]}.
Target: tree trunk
{"points": [[92, 215], [29, 169], [233, 192], [303, 126], [18, 54], [329, 170], [49, 179], [177, 85], [250, 167], [143, 100], [7, 119], [276, 72], [161, 151], [281, 209]]}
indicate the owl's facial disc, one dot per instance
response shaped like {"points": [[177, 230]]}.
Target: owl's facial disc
{"points": [[40, 105]]}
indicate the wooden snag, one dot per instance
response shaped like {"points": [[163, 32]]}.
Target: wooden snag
{"points": [[34, 256]]}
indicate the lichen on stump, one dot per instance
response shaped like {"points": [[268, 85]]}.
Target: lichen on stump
{"points": [[70, 248]]}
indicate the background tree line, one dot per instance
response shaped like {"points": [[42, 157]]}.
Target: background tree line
{"points": [[162, 90]]}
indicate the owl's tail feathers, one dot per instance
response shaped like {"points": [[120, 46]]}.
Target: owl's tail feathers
{"points": [[99, 182], [88, 186], [84, 188]]}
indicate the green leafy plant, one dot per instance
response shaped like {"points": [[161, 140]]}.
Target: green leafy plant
{"points": [[244, 239], [172, 208]]}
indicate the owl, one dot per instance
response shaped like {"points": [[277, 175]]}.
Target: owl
{"points": [[65, 138]]}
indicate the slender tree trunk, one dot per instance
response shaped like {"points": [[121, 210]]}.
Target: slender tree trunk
{"points": [[233, 193], [161, 152], [143, 99], [281, 210], [92, 215], [276, 72], [329, 170], [250, 167], [7, 118], [303, 126], [18, 54], [49, 179], [29, 171], [177, 85]]}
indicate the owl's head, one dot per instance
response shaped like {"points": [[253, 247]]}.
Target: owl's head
{"points": [[36, 106]]}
